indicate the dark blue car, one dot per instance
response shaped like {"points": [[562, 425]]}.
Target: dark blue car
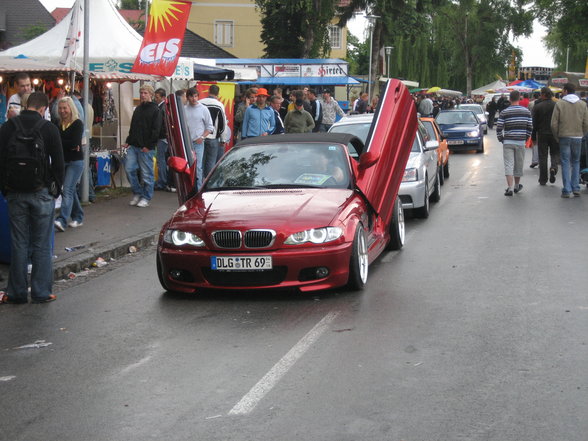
{"points": [[462, 129]]}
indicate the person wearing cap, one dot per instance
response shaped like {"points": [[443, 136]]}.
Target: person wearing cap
{"points": [[259, 118], [298, 120]]}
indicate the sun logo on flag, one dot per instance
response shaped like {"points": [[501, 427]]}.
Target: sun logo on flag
{"points": [[162, 12]]}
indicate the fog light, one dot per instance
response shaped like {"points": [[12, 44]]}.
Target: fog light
{"points": [[176, 274], [321, 272]]}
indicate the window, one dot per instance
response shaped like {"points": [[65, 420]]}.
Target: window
{"points": [[335, 36], [223, 33]]}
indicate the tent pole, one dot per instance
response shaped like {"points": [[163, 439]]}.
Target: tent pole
{"points": [[86, 95]]}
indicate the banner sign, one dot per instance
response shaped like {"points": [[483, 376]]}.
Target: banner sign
{"points": [[559, 80], [72, 38], [163, 38], [583, 82]]}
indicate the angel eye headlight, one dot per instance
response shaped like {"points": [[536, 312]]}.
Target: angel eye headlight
{"points": [[315, 235], [179, 238]]}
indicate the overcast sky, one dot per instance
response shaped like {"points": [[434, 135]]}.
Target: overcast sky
{"points": [[534, 53]]}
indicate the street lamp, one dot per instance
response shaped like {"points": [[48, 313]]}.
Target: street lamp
{"points": [[388, 50], [371, 21]]}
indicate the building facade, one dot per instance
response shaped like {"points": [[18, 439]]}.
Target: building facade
{"points": [[235, 26]]}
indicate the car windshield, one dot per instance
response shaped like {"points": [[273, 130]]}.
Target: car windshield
{"points": [[456, 117], [360, 130], [282, 165]]}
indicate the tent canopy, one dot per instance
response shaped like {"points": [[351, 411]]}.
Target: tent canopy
{"points": [[483, 90], [113, 47]]}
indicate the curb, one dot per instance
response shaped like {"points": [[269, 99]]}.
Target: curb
{"points": [[85, 259]]}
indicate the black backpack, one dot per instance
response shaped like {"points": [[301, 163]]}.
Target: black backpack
{"points": [[24, 160]]}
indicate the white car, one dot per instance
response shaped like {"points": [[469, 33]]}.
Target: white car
{"points": [[420, 183], [480, 113]]}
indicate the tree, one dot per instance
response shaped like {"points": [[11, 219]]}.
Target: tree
{"points": [[296, 28], [33, 31], [132, 4], [565, 21]]}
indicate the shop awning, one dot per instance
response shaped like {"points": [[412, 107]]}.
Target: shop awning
{"points": [[123, 76], [303, 81], [209, 73]]}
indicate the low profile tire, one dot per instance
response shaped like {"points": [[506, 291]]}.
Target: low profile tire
{"points": [[481, 148], [446, 169], [423, 212], [397, 227], [358, 264], [441, 177], [436, 196]]}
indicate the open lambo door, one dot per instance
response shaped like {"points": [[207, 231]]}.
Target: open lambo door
{"points": [[388, 145], [181, 160]]}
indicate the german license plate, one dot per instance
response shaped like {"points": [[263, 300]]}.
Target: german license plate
{"points": [[240, 263], [454, 141]]}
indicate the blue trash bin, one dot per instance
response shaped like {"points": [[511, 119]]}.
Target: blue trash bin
{"points": [[4, 232]]}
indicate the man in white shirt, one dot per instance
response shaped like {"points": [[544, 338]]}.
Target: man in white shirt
{"points": [[214, 143], [200, 126]]}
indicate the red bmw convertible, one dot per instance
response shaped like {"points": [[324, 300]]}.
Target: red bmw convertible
{"points": [[305, 211]]}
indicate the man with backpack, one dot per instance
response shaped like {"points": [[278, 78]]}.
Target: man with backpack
{"points": [[31, 175]]}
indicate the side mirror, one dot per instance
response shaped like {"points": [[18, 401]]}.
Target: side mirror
{"points": [[180, 165], [431, 145], [367, 160]]}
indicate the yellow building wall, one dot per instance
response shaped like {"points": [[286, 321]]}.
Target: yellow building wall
{"points": [[246, 24]]}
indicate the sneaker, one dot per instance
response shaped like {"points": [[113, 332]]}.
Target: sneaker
{"points": [[533, 165], [59, 226], [135, 200], [576, 194], [508, 192], [75, 224], [143, 203], [519, 188], [552, 173], [566, 195]]}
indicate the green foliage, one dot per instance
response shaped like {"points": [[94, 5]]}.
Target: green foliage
{"points": [[566, 27], [357, 55], [132, 4], [33, 31], [296, 28]]}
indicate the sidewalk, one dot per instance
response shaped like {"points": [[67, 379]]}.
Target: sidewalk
{"points": [[110, 228]]}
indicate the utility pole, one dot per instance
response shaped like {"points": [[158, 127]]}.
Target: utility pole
{"points": [[372, 21], [388, 50]]}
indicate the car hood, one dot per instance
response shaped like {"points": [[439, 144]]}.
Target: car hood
{"points": [[414, 160], [283, 210]]}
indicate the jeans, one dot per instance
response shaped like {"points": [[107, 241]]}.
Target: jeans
{"points": [[138, 159], [198, 152], [569, 151], [31, 230], [213, 151], [161, 164], [70, 202]]}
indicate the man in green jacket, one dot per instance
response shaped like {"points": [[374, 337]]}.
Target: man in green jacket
{"points": [[298, 120], [569, 123]]}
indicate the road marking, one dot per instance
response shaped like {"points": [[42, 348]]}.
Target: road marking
{"points": [[135, 365], [8, 378], [263, 386]]}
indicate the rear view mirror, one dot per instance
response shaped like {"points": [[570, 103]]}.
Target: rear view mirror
{"points": [[180, 165], [431, 145], [367, 160]]}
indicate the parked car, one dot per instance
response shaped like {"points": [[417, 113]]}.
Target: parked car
{"points": [[421, 180], [480, 113], [289, 211], [443, 151], [462, 129]]}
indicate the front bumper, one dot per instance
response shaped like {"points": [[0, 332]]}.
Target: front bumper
{"points": [[468, 143], [412, 194], [292, 268]]}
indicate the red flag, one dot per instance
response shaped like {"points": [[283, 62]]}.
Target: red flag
{"points": [[163, 38]]}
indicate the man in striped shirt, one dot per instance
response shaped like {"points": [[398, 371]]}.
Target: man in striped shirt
{"points": [[513, 128]]}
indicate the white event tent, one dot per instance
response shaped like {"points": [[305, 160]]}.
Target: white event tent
{"points": [[491, 86]]}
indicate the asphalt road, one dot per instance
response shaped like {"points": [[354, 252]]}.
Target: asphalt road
{"points": [[476, 330]]}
